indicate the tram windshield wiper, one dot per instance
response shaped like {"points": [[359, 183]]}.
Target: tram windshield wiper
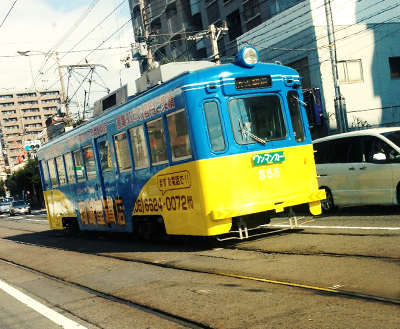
{"points": [[256, 138], [305, 104]]}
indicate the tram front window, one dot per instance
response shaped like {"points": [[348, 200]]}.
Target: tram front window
{"points": [[257, 118]]}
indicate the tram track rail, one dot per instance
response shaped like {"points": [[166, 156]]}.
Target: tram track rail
{"points": [[159, 313], [172, 265]]}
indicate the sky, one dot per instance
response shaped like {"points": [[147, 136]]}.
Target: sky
{"points": [[76, 30]]}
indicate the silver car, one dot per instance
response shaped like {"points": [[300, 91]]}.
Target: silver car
{"points": [[19, 207]]}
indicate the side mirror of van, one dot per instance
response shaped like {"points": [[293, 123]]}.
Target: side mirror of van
{"points": [[379, 157]]}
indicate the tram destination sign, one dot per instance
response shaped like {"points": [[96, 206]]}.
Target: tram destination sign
{"points": [[262, 81], [267, 158]]}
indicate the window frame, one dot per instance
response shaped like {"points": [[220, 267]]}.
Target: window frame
{"points": [[53, 165], [86, 162], [146, 151], [164, 139], [116, 148], [83, 177], [218, 111], [394, 74], [46, 174], [61, 170], [346, 71], [71, 170], [173, 158]]}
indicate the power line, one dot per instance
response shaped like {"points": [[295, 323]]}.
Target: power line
{"points": [[8, 13]]}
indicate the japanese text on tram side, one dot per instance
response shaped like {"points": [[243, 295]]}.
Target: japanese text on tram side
{"points": [[146, 110], [174, 181], [101, 212], [173, 203], [273, 157]]}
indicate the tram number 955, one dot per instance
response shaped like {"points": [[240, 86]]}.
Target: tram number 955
{"points": [[269, 173]]}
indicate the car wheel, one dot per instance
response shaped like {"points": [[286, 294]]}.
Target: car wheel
{"points": [[328, 205]]}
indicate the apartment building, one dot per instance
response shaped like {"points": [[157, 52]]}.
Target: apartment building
{"points": [[23, 116], [367, 52]]}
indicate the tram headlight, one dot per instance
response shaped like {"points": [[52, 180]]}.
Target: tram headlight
{"points": [[247, 57]]}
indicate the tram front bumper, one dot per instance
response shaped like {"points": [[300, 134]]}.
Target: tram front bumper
{"points": [[313, 199]]}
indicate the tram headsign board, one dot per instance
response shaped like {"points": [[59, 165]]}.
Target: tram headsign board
{"points": [[262, 81]]}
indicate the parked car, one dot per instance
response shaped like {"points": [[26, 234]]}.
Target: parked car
{"points": [[19, 207], [5, 206], [359, 168]]}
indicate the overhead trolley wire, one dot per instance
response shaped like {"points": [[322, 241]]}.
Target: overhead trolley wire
{"points": [[8, 13]]}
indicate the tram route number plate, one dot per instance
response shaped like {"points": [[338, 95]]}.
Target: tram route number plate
{"points": [[267, 158]]}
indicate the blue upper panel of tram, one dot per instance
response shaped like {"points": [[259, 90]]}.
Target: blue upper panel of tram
{"points": [[190, 90]]}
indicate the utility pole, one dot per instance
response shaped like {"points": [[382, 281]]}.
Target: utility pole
{"points": [[340, 105], [146, 35], [213, 33], [63, 94]]}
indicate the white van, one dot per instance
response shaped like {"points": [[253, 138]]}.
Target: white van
{"points": [[359, 168]]}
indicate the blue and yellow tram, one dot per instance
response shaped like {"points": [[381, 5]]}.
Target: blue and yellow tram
{"points": [[201, 154]]}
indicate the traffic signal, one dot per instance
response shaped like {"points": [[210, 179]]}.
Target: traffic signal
{"points": [[32, 145]]}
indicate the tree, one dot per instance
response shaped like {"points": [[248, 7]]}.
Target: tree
{"points": [[25, 179], [2, 190]]}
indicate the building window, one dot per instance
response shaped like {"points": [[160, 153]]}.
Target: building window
{"points": [[33, 125], [36, 117], [52, 108], [48, 93], [208, 2], [50, 101], [6, 104], [6, 96], [10, 120], [251, 9], [28, 103], [30, 110], [26, 95], [350, 71], [234, 25], [277, 6], [394, 64]]}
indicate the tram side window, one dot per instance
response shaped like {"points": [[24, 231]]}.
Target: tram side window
{"points": [[60, 170], [79, 169], [139, 147], [52, 170], [88, 158], [122, 149], [214, 126], [295, 116], [45, 174], [260, 116], [158, 146], [105, 158], [178, 136], [69, 165]]}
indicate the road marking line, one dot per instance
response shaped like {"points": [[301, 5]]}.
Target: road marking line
{"points": [[40, 308], [344, 227]]}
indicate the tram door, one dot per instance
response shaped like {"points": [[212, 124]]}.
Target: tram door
{"points": [[113, 203]]}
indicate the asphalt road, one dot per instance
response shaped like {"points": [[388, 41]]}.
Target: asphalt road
{"points": [[339, 271]]}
